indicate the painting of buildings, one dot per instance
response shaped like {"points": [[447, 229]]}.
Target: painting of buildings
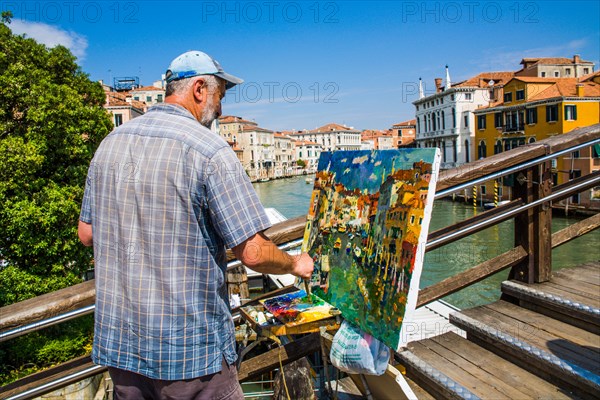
{"points": [[366, 230]]}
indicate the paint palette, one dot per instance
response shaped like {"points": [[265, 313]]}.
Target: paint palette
{"points": [[297, 308]]}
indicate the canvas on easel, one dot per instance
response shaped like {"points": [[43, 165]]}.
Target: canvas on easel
{"points": [[366, 230]]}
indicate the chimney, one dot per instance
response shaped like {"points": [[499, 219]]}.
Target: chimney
{"points": [[438, 85], [576, 59], [579, 90]]}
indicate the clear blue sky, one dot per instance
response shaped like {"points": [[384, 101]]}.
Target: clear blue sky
{"points": [[308, 63]]}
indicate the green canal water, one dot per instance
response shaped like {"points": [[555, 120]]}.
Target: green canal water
{"points": [[291, 197]]}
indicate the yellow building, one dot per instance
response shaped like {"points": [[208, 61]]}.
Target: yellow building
{"points": [[528, 109]]}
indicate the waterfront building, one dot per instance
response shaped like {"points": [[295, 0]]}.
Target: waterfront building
{"points": [[555, 67], [403, 133], [534, 108], [377, 140], [259, 144], [122, 107], [332, 137], [148, 94], [309, 152], [445, 118], [284, 155]]}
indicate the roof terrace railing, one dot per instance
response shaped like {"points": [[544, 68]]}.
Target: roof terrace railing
{"points": [[530, 259]]}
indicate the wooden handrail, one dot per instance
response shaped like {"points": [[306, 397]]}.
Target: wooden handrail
{"points": [[77, 296]]}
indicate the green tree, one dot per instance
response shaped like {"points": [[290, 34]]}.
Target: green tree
{"points": [[51, 121], [301, 163]]}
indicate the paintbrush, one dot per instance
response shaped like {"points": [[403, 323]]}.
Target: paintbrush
{"points": [[307, 288]]}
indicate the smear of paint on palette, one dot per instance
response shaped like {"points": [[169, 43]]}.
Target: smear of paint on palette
{"points": [[297, 308]]}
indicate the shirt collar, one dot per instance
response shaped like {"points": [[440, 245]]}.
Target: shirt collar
{"points": [[171, 108]]}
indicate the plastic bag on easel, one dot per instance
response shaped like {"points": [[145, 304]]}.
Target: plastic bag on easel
{"points": [[356, 352]]}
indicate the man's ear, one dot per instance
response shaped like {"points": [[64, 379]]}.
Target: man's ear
{"points": [[199, 90]]}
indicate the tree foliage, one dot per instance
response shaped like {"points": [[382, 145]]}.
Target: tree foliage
{"points": [[51, 121]]}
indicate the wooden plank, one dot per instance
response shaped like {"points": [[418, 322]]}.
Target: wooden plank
{"points": [[473, 383], [532, 335], [526, 383], [563, 314], [576, 230], [470, 276], [571, 294], [516, 156], [591, 277], [585, 288], [556, 328], [282, 355], [47, 305]]}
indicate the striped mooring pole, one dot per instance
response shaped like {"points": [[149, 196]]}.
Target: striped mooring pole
{"points": [[475, 198], [496, 193]]}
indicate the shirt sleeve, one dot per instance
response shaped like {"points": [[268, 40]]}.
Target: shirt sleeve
{"points": [[86, 204], [235, 210]]}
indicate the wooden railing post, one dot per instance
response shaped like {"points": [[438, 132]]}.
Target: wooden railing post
{"points": [[533, 228]]}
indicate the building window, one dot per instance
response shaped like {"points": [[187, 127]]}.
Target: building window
{"points": [[483, 189], [531, 115], [543, 74], [498, 147], [586, 71], [454, 118], [136, 98], [498, 120], [482, 150], [148, 99], [417, 108], [159, 98], [118, 119], [575, 154], [481, 122], [532, 140], [454, 151], [467, 121], [443, 120], [568, 72], [452, 97], [467, 155], [556, 74], [508, 97], [468, 96], [571, 113], [520, 94], [552, 113], [596, 151]]}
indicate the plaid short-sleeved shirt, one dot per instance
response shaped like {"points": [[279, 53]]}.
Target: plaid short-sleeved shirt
{"points": [[165, 197]]}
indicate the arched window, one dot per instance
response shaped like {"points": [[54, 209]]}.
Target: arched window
{"points": [[498, 147], [531, 140], [418, 125], [443, 121], [482, 150]]}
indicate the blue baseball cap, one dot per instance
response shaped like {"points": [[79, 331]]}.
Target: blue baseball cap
{"points": [[194, 63]]}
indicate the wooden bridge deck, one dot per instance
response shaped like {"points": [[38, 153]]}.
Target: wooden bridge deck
{"points": [[539, 341]]}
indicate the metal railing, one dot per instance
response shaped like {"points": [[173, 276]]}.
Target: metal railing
{"points": [[535, 195]]}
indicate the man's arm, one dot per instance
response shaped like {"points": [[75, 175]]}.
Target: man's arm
{"points": [[84, 230], [262, 255]]}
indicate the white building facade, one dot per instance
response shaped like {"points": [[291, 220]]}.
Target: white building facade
{"points": [[332, 137], [445, 119]]}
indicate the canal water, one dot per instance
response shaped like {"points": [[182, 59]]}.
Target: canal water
{"points": [[291, 196]]}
